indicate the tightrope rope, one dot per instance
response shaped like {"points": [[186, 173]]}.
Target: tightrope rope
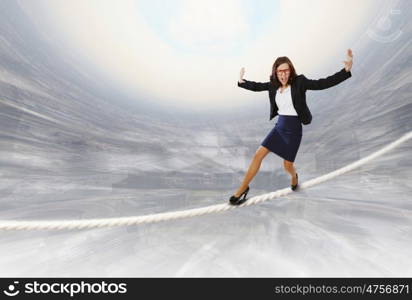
{"points": [[152, 218]]}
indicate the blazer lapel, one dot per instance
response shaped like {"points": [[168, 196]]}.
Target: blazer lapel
{"points": [[293, 94]]}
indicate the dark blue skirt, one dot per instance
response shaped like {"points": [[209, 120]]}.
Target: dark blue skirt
{"points": [[284, 139]]}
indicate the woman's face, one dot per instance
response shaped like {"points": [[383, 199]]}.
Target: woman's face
{"points": [[282, 73]]}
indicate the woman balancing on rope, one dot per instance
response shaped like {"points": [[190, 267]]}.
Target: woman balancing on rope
{"points": [[288, 100]]}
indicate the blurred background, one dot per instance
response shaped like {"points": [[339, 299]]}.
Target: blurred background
{"points": [[112, 109]]}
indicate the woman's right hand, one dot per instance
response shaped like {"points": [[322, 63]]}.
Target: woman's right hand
{"points": [[242, 73]]}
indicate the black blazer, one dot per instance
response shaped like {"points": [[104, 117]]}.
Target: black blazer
{"points": [[298, 91]]}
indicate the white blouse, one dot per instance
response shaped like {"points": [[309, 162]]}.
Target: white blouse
{"points": [[284, 102]]}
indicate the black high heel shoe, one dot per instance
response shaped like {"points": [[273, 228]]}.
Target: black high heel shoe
{"points": [[239, 200], [294, 186]]}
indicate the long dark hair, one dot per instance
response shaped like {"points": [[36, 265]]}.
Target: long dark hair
{"points": [[280, 60]]}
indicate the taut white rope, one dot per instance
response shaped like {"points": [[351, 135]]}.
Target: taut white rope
{"points": [[124, 221]]}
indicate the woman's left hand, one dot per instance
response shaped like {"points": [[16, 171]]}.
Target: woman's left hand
{"points": [[349, 60]]}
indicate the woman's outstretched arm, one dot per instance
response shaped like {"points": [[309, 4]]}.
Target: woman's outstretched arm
{"points": [[332, 80], [251, 85]]}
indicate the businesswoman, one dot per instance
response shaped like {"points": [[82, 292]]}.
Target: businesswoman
{"points": [[287, 95]]}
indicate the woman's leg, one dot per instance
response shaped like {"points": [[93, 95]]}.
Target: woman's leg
{"points": [[254, 166], [291, 170]]}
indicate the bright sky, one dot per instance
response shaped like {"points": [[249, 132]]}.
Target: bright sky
{"points": [[187, 52]]}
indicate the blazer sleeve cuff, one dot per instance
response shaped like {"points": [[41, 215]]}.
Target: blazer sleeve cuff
{"points": [[347, 73]]}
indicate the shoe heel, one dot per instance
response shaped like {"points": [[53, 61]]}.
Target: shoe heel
{"points": [[243, 199], [294, 187]]}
